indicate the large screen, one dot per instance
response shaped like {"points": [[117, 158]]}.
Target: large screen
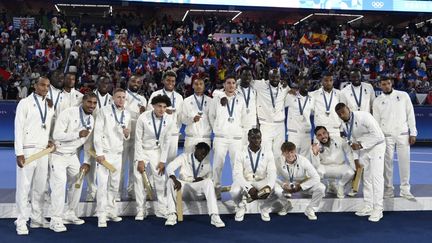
{"points": [[378, 5]]}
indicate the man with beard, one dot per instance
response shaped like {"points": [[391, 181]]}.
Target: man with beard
{"points": [[395, 114], [169, 81], [328, 157], [271, 110], [72, 130], [135, 104], [71, 96], [298, 119], [195, 115], [325, 100], [103, 99], [365, 136], [358, 95], [55, 92], [249, 95], [32, 129]]}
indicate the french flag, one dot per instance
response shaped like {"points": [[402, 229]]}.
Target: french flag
{"points": [[109, 33]]}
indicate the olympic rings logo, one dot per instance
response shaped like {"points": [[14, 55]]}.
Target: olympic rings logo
{"points": [[377, 4]]}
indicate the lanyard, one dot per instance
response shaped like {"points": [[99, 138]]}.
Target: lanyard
{"points": [[273, 98], [195, 169], [231, 109], [57, 99], [99, 103], [172, 97], [247, 98], [359, 100], [121, 122], [157, 131], [350, 128], [301, 108], [254, 166], [199, 104], [328, 105], [87, 126], [134, 96], [42, 116], [291, 175]]}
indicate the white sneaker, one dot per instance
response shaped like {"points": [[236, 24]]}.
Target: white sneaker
{"points": [[72, 219], [240, 212], [265, 216], [285, 209], [331, 188], [407, 195], [310, 214], [102, 221], [340, 192], [39, 224], [114, 218], [375, 216], [118, 199], [57, 225], [388, 194], [352, 193], [141, 215], [365, 211], [171, 220], [21, 227], [217, 221]]}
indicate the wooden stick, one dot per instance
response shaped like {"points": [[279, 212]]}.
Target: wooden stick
{"points": [[105, 163], [357, 179], [147, 186], [80, 179], [225, 188], [179, 206], [38, 155]]}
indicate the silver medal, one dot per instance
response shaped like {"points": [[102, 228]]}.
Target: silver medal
{"points": [[231, 119]]}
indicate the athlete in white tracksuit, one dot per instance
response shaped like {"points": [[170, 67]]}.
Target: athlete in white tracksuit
{"points": [[152, 143], [103, 99], [296, 173], [195, 115], [326, 99], [365, 136], [71, 96], [135, 104], [195, 183], [358, 96], [298, 120], [174, 110], [111, 130], [32, 127], [72, 130], [227, 116], [254, 169], [329, 156], [271, 110], [395, 114], [249, 95]]}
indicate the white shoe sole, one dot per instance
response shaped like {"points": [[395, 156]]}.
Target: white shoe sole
{"points": [[218, 225]]}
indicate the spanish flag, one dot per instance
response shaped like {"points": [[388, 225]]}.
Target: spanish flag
{"points": [[305, 41]]}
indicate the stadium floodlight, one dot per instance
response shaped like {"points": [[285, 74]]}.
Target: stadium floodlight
{"points": [[303, 19], [212, 11], [354, 20], [357, 17], [57, 8]]}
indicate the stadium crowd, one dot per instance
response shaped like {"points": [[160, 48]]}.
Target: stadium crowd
{"points": [[306, 49]]}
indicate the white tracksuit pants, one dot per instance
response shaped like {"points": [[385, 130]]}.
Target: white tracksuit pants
{"points": [[193, 191], [91, 178], [107, 184], [238, 195], [273, 135], [190, 142], [221, 146], [173, 147], [317, 191], [31, 178], [403, 148], [344, 173], [302, 142], [157, 181], [64, 169], [127, 167], [373, 179]]}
